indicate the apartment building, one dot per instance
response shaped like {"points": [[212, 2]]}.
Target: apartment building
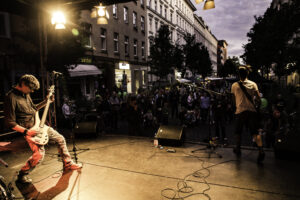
{"points": [[222, 53], [208, 39], [119, 47]]}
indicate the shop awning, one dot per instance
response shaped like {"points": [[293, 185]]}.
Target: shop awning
{"points": [[84, 70]]}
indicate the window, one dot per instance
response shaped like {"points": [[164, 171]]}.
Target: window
{"points": [[142, 3], [155, 5], [171, 17], [4, 25], [135, 48], [103, 39], [126, 15], [150, 23], [156, 26], [166, 12], [150, 3], [126, 44], [177, 19], [161, 9], [86, 35], [134, 19], [142, 23], [116, 42], [115, 11], [171, 35], [143, 49]]}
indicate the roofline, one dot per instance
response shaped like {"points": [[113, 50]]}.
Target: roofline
{"points": [[191, 5]]}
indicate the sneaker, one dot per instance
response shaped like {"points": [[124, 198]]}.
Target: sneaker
{"points": [[261, 157], [237, 151], [23, 178], [72, 166]]}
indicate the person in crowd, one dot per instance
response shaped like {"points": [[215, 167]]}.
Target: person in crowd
{"points": [[174, 100], [244, 92], [115, 107], [19, 112], [219, 107], [204, 106], [276, 124], [133, 117]]}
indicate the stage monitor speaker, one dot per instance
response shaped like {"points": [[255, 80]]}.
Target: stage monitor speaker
{"points": [[168, 135]]}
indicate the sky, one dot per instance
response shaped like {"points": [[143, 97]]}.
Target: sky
{"points": [[231, 20]]}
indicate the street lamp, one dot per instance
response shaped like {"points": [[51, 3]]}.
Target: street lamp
{"points": [[209, 4], [101, 13], [58, 19]]}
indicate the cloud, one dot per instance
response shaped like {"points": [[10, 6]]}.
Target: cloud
{"points": [[231, 20]]}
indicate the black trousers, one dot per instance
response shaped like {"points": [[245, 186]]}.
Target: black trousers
{"points": [[248, 119]]}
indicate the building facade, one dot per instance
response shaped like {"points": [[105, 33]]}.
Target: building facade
{"points": [[119, 47], [222, 53], [208, 39]]}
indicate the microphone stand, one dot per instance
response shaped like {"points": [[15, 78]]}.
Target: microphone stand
{"points": [[212, 144]]}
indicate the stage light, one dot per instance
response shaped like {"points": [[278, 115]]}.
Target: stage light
{"points": [[209, 4], [58, 19]]}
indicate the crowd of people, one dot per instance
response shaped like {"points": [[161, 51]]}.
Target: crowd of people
{"points": [[188, 105]]}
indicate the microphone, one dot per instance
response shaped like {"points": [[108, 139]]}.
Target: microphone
{"points": [[3, 163]]}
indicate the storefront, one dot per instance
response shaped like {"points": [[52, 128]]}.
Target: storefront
{"points": [[84, 77], [130, 77]]}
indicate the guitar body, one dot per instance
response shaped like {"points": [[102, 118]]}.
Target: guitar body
{"points": [[42, 137]]}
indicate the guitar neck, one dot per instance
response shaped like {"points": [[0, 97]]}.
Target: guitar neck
{"points": [[45, 113]]}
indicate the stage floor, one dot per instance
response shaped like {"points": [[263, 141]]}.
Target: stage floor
{"points": [[129, 168]]}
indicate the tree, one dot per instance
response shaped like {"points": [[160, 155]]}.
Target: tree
{"points": [[230, 67], [205, 65], [178, 59], [269, 38], [161, 53]]}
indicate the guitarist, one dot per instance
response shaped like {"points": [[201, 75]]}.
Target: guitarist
{"points": [[245, 93], [19, 111]]}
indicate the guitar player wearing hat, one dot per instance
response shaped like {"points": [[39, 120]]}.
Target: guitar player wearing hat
{"points": [[21, 115], [245, 95]]}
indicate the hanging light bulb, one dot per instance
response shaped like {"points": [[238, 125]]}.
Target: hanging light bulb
{"points": [[198, 1], [102, 14], [209, 4], [58, 19]]}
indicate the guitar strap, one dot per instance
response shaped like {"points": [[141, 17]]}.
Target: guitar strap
{"points": [[247, 94]]}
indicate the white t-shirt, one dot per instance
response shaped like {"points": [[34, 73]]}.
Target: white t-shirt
{"points": [[242, 103]]}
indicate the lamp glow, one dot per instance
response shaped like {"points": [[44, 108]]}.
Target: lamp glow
{"points": [[58, 19]]}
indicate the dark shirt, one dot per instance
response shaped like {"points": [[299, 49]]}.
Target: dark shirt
{"points": [[19, 109]]}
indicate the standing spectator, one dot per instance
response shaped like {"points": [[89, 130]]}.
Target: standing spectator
{"points": [[244, 93], [133, 117], [115, 107], [174, 100], [204, 106], [218, 108]]}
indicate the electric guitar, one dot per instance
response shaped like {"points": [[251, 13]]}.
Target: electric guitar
{"points": [[41, 138]]}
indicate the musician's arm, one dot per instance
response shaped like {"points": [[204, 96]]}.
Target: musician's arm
{"points": [[10, 116], [41, 105]]}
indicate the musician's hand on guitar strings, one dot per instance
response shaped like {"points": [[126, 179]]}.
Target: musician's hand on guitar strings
{"points": [[31, 133]]}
